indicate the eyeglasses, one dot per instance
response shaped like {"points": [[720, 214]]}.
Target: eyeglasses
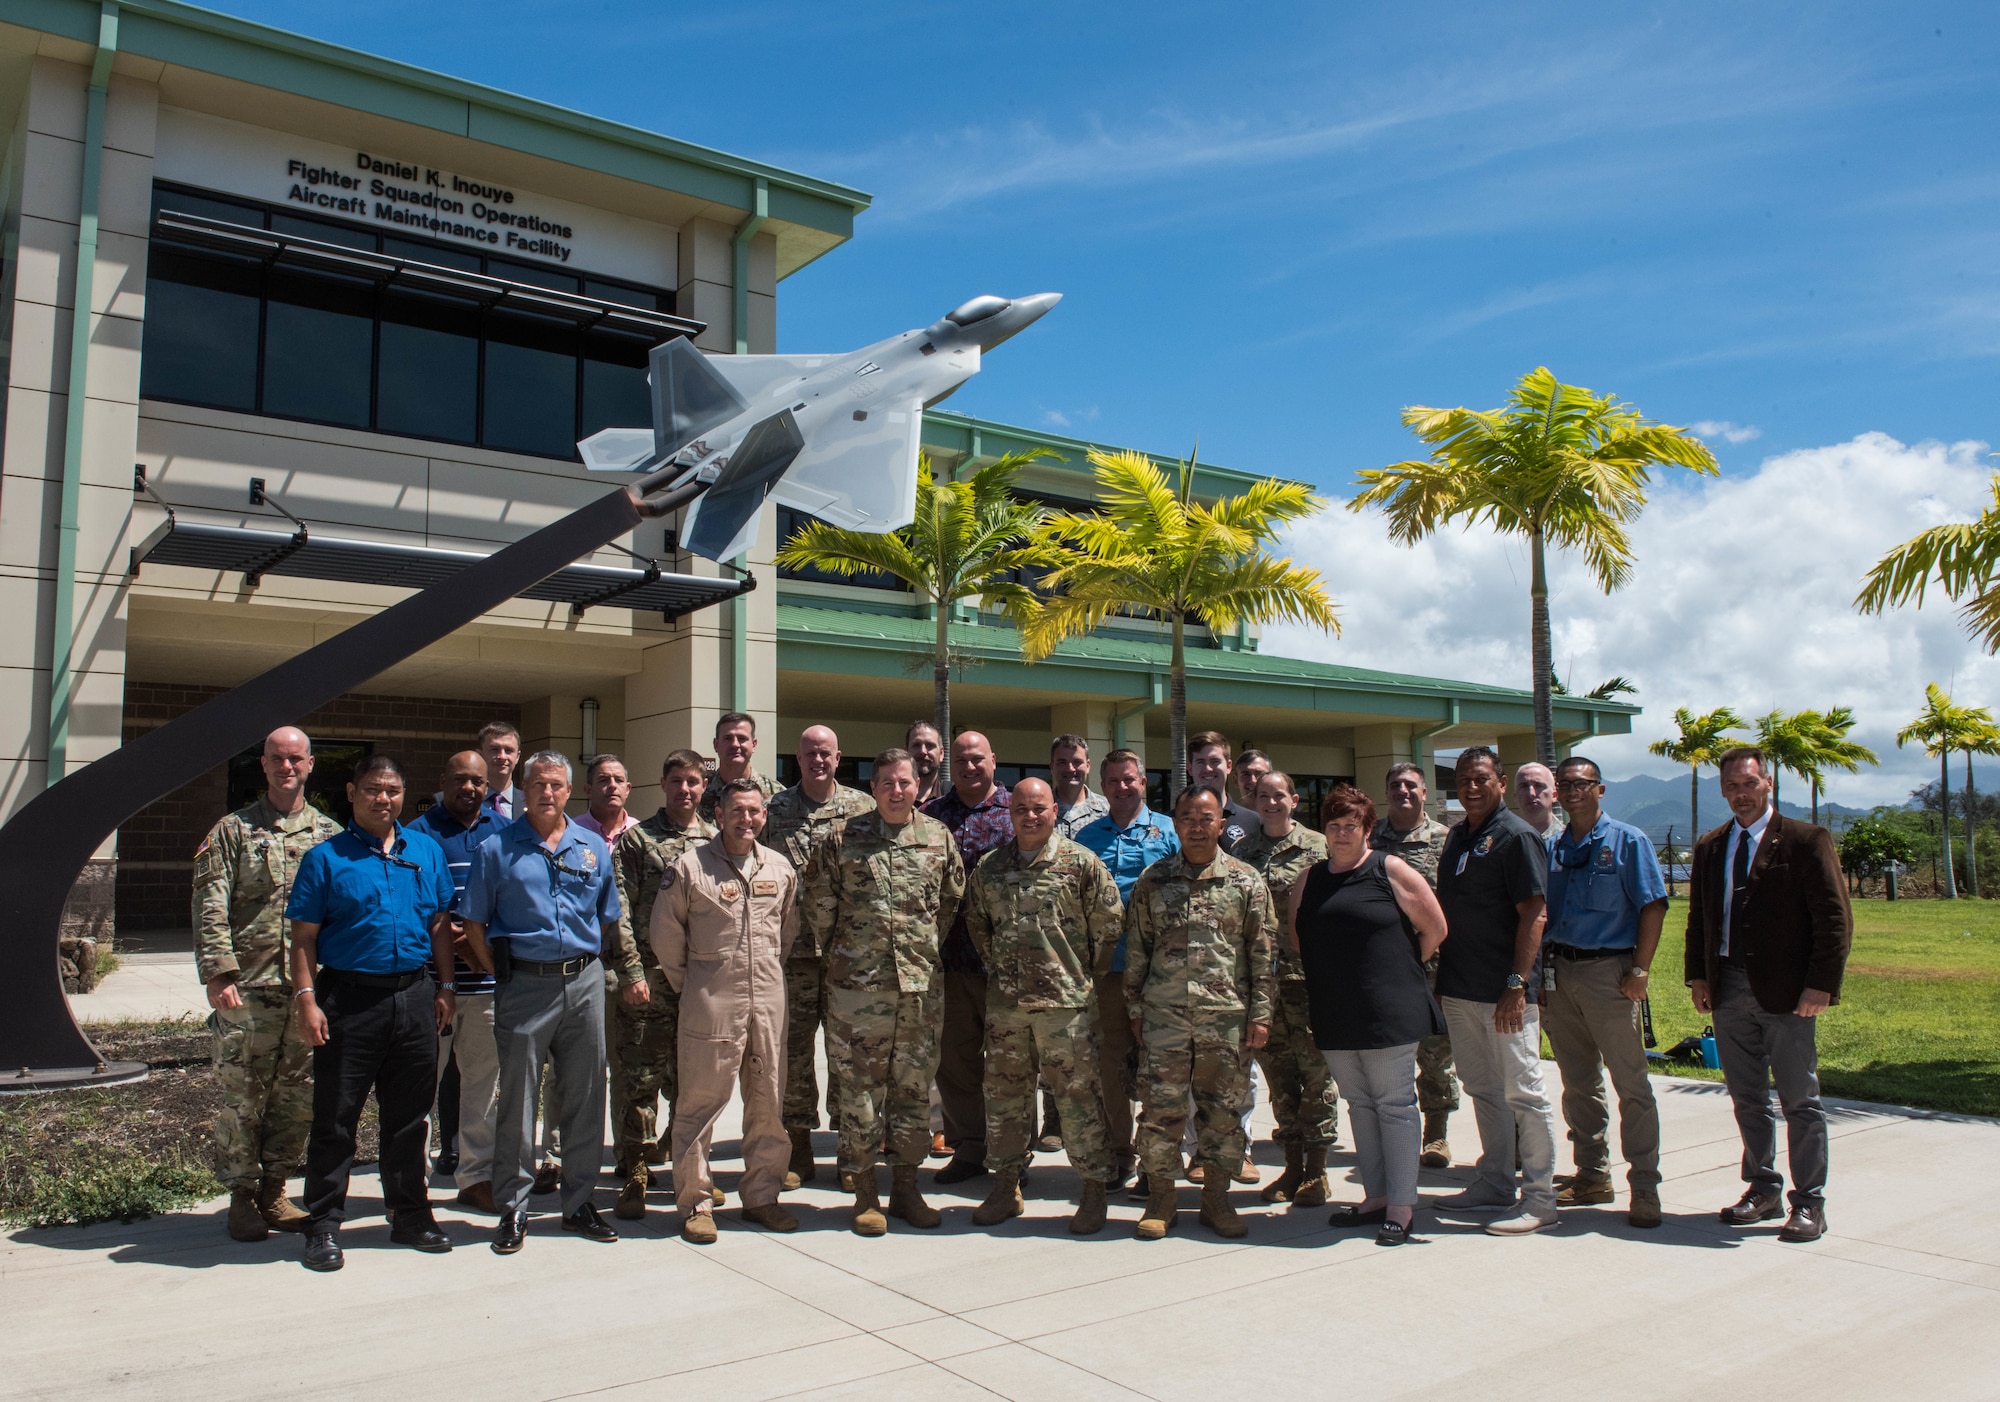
{"points": [[1577, 785]]}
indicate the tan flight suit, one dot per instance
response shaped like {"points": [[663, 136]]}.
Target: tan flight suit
{"points": [[722, 938]]}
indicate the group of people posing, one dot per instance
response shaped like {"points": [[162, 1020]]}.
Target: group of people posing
{"points": [[969, 950]]}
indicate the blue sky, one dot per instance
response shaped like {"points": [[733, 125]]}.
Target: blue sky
{"points": [[1277, 225]]}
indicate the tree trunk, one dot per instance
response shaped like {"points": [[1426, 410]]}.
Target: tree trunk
{"points": [[1177, 709], [1971, 811], [1777, 778], [941, 689], [1542, 649], [1815, 801], [1694, 804], [1944, 823]]}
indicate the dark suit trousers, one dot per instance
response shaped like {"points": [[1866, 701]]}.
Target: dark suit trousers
{"points": [[961, 1072], [382, 1040], [1756, 1048]]}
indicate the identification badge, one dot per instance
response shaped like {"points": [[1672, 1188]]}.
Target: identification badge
{"points": [[764, 888], [1463, 858], [730, 892]]}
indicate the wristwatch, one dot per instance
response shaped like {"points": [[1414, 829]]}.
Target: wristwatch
{"points": [[1637, 971], [1515, 981]]}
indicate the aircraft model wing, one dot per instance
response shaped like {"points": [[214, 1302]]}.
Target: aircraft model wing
{"points": [[722, 523], [859, 472], [752, 375]]}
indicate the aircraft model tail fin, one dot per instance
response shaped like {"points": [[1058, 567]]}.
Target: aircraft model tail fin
{"points": [[723, 520], [689, 397]]}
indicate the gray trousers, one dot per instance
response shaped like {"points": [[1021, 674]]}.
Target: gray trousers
{"points": [[1380, 1087], [1502, 1073], [1757, 1048], [540, 1018], [1593, 1027], [478, 1083]]}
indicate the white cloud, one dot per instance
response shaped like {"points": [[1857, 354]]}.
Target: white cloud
{"points": [[1742, 596], [1726, 431]]}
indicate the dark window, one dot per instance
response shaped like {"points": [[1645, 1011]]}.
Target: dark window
{"points": [[201, 331], [325, 230], [615, 393], [531, 384], [431, 253], [531, 274], [207, 206], [319, 340], [326, 786], [621, 294], [790, 523], [427, 375]]}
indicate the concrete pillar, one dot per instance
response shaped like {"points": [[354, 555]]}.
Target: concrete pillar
{"points": [[555, 722], [1091, 720], [41, 184], [1376, 747]]}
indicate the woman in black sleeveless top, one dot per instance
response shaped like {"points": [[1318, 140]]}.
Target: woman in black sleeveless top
{"points": [[1363, 923]]}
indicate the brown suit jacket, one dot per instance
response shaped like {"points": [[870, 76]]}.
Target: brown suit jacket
{"points": [[1797, 925]]}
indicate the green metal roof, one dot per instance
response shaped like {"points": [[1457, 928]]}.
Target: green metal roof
{"points": [[205, 41], [954, 433], [874, 644]]}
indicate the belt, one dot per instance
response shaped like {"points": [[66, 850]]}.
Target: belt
{"points": [[1571, 952], [565, 968], [394, 982]]}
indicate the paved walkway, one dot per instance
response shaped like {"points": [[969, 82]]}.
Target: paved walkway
{"points": [[151, 985], [1901, 1301]]}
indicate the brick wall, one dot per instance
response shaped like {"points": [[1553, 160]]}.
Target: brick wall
{"points": [[156, 846]]}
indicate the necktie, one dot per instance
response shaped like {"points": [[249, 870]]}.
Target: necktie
{"points": [[1739, 891]]}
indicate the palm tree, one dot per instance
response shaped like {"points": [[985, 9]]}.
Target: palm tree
{"points": [[1985, 742], [1153, 548], [1786, 741], [967, 539], [1559, 465], [1603, 691], [1832, 749], [1962, 559], [1701, 741], [1943, 728]]}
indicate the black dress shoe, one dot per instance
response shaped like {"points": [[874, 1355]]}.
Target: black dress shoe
{"points": [[588, 1223], [418, 1229], [1805, 1224], [513, 1229], [1351, 1216], [959, 1171], [1142, 1187], [445, 1164], [323, 1251], [1753, 1207]]}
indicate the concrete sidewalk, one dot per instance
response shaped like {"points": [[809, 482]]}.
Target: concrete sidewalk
{"points": [[1900, 1301], [148, 985]]}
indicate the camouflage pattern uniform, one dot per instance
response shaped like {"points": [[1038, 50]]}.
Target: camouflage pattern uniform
{"points": [[1046, 926], [1302, 1093], [1198, 970], [646, 1034], [243, 874], [796, 826], [1421, 847], [879, 901], [712, 795]]}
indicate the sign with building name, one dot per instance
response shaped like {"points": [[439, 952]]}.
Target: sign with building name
{"points": [[385, 188]]}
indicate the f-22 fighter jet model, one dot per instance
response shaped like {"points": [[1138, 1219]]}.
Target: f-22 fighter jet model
{"points": [[832, 435]]}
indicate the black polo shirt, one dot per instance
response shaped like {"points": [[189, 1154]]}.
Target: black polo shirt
{"points": [[1482, 877], [1238, 823]]}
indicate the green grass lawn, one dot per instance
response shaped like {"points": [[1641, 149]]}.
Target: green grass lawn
{"points": [[1919, 1015]]}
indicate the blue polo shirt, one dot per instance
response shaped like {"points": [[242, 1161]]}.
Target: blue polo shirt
{"points": [[552, 902], [1598, 885], [460, 843], [373, 908], [1128, 851]]}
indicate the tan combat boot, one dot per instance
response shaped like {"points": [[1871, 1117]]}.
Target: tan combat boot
{"points": [[278, 1210], [1161, 1206], [1312, 1192], [1216, 1213], [631, 1204], [698, 1228], [246, 1223], [1089, 1216], [868, 1218], [1281, 1188], [906, 1202], [771, 1217], [1002, 1202], [801, 1169], [1437, 1146]]}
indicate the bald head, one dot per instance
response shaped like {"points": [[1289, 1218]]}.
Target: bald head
{"points": [[1032, 806], [1535, 794], [819, 757], [287, 762], [464, 786], [972, 767]]}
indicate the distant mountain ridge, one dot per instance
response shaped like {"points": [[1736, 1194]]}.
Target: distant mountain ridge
{"points": [[1653, 804]]}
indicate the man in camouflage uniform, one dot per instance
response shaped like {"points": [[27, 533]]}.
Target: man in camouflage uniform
{"points": [[735, 742], [648, 1033], [1198, 988], [243, 874], [1044, 914], [1408, 831], [1302, 1093], [878, 897], [798, 820]]}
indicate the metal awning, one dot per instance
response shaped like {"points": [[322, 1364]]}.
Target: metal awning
{"points": [[303, 555]]}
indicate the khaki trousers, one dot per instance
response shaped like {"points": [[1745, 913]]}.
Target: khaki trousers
{"points": [[1593, 1027], [710, 1070]]}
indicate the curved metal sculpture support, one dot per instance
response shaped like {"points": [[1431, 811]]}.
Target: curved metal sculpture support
{"points": [[44, 846]]}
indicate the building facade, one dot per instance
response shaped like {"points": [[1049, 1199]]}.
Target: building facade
{"points": [[344, 322]]}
